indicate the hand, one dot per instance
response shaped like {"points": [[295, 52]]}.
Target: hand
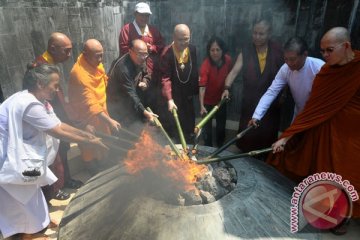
{"points": [[171, 105], [254, 122], [279, 145], [149, 47], [150, 116], [101, 148], [90, 128], [203, 110], [114, 125], [225, 94], [143, 86]]}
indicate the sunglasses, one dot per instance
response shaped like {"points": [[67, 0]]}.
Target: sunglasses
{"points": [[329, 50]]}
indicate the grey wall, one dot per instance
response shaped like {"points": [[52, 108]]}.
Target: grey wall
{"points": [[25, 26]]}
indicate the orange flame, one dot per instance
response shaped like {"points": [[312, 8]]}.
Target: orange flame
{"points": [[148, 154]]}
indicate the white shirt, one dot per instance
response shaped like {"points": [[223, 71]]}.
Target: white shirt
{"points": [[300, 84]]}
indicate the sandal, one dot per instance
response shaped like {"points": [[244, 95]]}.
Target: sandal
{"points": [[53, 224], [73, 184], [35, 236], [60, 195]]}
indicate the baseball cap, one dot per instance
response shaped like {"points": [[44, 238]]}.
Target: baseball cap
{"points": [[142, 7]]}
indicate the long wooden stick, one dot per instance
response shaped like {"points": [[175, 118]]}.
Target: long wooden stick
{"points": [[231, 157]]}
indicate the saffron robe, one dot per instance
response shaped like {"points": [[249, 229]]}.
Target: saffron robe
{"points": [[326, 134], [87, 96], [255, 85]]}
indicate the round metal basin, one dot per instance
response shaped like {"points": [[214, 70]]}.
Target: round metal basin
{"points": [[116, 205]]}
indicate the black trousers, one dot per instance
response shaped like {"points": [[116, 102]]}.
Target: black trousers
{"points": [[220, 117]]}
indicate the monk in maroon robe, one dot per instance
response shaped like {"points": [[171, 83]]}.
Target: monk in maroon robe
{"points": [[179, 81], [259, 61], [325, 136]]}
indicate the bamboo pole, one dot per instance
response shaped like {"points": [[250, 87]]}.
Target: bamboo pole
{"points": [[181, 133], [226, 145], [231, 157], [112, 138], [209, 116], [172, 145]]}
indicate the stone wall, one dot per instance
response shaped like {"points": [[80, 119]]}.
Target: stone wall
{"points": [[25, 26]]}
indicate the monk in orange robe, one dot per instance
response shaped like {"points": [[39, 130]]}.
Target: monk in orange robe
{"points": [[325, 136], [87, 96]]}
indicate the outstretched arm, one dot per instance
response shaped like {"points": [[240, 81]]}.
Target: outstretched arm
{"points": [[232, 75]]}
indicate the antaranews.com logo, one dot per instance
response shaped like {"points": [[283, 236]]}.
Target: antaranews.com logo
{"points": [[323, 200]]}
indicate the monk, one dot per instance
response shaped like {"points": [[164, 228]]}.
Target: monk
{"points": [[141, 29], [87, 96], [180, 78], [325, 136], [259, 61], [58, 51]]}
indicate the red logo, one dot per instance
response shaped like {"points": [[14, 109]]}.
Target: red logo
{"points": [[326, 205]]}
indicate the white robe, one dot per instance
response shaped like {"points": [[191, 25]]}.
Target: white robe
{"points": [[23, 208]]}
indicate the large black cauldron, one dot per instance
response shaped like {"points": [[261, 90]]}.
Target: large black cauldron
{"points": [[116, 205]]}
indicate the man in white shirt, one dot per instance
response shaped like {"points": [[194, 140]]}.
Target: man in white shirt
{"points": [[298, 73]]}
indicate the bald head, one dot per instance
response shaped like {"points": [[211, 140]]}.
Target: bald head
{"points": [[138, 44], [59, 47], [338, 34], [336, 46], [181, 36], [181, 29], [93, 52], [138, 52]]}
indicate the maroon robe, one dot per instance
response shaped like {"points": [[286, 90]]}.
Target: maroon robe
{"points": [[181, 86], [127, 34], [255, 85]]}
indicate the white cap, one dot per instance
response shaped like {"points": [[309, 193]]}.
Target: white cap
{"points": [[142, 7]]}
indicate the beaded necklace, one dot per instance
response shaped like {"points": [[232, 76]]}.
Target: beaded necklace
{"points": [[182, 66]]}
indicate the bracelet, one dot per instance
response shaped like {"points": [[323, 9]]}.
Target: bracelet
{"points": [[227, 87]]}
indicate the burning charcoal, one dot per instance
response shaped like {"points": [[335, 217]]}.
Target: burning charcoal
{"points": [[223, 176], [219, 164], [233, 174], [181, 200], [207, 197], [192, 197], [210, 185]]}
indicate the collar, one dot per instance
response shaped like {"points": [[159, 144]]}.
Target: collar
{"points": [[48, 58], [146, 30]]}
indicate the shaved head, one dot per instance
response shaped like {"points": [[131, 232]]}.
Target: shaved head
{"points": [[58, 39], [336, 46], [92, 45], [338, 34], [93, 52], [59, 47], [181, 36], [181, 29]]}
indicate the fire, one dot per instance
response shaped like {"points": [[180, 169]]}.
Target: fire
{"points": [[148, 154]]}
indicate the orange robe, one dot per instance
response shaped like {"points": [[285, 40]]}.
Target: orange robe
{"points": [[326, 134], [87, 96]]}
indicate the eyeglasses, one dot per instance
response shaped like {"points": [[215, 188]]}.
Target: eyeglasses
{"points": [[329, 50], [140, 54]]}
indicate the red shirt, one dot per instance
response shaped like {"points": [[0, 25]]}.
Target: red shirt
{"points": [[213, 78]]}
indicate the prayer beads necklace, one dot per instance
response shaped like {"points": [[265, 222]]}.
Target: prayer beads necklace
{"points": [[182, 67]]}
